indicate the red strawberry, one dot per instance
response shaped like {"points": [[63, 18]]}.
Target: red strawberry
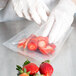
{"points": [[48, 49], [28, 39], [42, 41], [32, 68], [21, 43], [43, 38], [21, 72], [53, 45], [24, 74], [32, 45], [51, 49], [46, 69]]}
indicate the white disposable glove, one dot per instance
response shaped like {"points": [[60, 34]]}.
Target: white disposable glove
{"points": [[60, 20], [31, 9]]}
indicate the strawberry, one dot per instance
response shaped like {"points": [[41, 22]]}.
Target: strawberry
{"points": [[42, 41], [53, 45], [21, 43], [48, 49], [33, 68], [24, 74], [46, 69], [51, 49], [32, 45], [38, 74], [42, 38], [30, 67], [21, 72], [28, 39]]}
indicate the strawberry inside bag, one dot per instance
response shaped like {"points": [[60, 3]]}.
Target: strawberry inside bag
{"points": [[30, 43]]}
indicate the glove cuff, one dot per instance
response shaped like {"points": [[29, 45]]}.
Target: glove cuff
{"points": [[68, 6]]}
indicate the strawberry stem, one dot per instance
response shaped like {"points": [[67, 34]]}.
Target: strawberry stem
{"points": [[46, 61]]}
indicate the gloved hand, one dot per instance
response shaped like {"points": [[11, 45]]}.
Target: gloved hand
{"points": [[31, 9], [60, 20]]}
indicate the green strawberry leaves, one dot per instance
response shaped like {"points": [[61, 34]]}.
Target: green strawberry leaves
{"points": [[20, 71], [26, 62], [24, 70], [46, 61], [28, 72], [18, 67]]}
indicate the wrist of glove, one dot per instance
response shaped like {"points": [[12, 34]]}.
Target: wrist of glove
{"points": [[34, 10], [67, 6], [60, 21]]}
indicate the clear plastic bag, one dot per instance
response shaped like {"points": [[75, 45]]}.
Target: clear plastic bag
{"points": [[32, 29]]}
